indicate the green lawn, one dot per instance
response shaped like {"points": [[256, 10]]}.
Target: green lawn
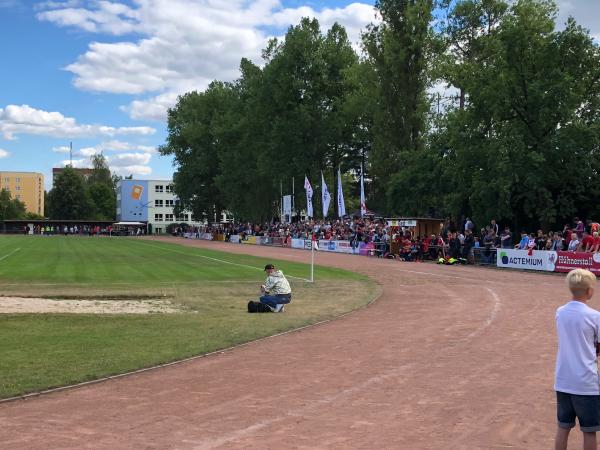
{"points": [[38, 351]]}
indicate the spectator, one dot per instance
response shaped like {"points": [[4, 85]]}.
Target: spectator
{"points": [[522, 245], [579, 227], [587, 243], [506, 238], [558, 243], [468, 246], [573, 243], [469, 225], [494, 227], [540, 240]]}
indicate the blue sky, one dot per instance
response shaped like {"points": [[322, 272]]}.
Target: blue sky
{"points": [[101, 73]]}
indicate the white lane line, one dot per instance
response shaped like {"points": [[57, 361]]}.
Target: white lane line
{"points": [[215, 259], [310, 407], [491, 317], [11, 253]]}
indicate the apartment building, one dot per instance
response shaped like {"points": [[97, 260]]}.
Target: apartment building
{"points": [[151, 202], [27, 187]]}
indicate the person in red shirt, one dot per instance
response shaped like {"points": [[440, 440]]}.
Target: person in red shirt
{"points": [[586, 243], [596, 245]]}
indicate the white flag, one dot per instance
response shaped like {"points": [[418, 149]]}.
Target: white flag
{"points": [[340, 193], [325, 197], [363, 205], [309, 194]]}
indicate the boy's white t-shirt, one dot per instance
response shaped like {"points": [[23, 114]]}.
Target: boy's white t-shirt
{"points": [[578, 328]]}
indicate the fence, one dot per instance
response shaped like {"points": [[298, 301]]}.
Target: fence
{"points": [[539, 260]]}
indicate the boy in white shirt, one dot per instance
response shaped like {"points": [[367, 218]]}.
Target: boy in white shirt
{"points": [[577, 384]]}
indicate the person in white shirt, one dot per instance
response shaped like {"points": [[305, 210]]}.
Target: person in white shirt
{"points": [[573, 243], [576, 383]]}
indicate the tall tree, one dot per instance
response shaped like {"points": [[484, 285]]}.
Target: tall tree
{"points": [[69, 197], [397, 49], [101, 188], [193, 143], [516, 150]]}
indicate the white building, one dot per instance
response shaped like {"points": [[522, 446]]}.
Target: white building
{"points": [[150, 202]]}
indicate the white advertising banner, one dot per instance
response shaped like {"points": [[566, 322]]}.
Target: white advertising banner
{"points": [[235, 239], [297, 243], [523, 259], [287, 208]]}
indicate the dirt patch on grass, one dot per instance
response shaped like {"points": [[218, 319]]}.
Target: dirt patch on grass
{"points": [[17, 305]]}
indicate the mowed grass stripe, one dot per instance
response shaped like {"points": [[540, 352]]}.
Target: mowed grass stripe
{"points": [[98, 260]]}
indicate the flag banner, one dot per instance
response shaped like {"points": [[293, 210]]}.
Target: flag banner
{"points": [[287, 208], [325, 197], [309, 194], [340, 193], [363, 205]]}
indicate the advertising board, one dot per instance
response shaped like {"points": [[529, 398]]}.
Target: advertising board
{"points": [[567, 261], [523, 259]]}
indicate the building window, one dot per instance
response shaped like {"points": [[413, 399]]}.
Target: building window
{"points": [[169, 203], [18, 188], [158, 230], [158, 217], [158, 188], [18, 196], [18, 180], [6, 180], [169, 217], [169, 189], [187, 217], [158, 203]]}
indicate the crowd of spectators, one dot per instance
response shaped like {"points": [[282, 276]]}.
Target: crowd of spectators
{"points": [[462, 242]]}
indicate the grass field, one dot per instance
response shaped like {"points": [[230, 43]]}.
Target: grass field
{"points": [[39, 351]]}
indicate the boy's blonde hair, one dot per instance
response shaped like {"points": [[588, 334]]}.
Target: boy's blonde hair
{"points": [[579, 280]]}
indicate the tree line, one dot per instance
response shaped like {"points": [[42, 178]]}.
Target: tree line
{"points": [[74, 197], [478, 108]]}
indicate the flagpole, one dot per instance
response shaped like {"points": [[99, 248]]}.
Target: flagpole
{"points": [[312, 259]]}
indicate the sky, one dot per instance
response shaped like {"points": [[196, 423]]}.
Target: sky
{"points": [[102, 73]]}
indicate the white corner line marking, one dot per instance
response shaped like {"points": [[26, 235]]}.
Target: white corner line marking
{"points": [[215, 259], [11, 253]]}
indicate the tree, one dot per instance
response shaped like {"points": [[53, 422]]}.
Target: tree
{"points": [[101, 186], [69, 198], [397, 52], [194, 145], [11, 208], [529, 113]]}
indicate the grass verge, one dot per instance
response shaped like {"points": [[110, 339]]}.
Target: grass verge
{"points": [[41, 351]]}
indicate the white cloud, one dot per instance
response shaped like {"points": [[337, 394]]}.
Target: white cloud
{"points": [[63, 149], [121, 164], [83, 163], [88, 151], [108, 146], [129, 159], [23, 119], [132, 170], [4, 153], [183, 44]]}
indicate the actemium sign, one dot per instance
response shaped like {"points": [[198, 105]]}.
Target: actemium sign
{"points": [[524, 259]]}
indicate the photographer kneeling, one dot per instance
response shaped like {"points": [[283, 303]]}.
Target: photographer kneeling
{"points": [[276, 290]]}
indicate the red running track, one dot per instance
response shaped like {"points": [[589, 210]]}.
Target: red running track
{"points": [[447, 358]]}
